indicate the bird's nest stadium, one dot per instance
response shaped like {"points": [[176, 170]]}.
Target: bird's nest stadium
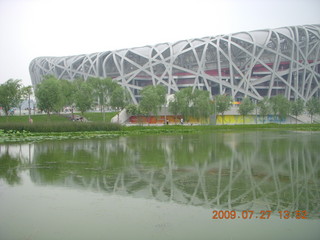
{"points": [[255, 64]]}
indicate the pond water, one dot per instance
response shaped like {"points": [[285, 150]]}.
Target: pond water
{"points": [[256, 185]]}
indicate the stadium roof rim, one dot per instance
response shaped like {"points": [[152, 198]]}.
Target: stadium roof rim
{"points": [[171, 43], [257, 64]]}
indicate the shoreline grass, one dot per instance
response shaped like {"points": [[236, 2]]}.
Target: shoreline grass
{"points": [[240, 127], [17, 132], [17, 129]]}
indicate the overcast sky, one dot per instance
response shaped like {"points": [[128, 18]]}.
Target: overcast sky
{"points": [[34, 28]]}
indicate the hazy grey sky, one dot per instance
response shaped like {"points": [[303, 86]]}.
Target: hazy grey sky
{"points": [[33, 28]]}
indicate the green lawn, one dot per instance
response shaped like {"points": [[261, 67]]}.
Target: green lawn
{"points": [[98, 117], [35, 118], [66, 129], [13, 126]]}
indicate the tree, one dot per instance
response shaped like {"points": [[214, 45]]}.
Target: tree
{"points": [[313, 107], [297, 108], [202, 106], [103, 88], [264, 108], [10, 95], [189, 102], [174, 107], [49, 95], [119, 98], [26, 94], [132, 109], [280, 106], [274, 105], [183, 100], [223, 104], [83, 95], [152, 97], [245, 107], [161, 93], [68, 93]]}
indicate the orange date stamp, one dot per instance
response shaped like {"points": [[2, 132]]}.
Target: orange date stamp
{"points": [[248, 214]]}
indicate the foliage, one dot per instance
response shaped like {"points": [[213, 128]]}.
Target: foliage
{"points": [[132, 109], [245, 107], [152, 98], [183, 101], [49, 95], [174, 107], [313, 107], [26, 93], [280, 106], [104, 88], [9, 170], [161, 94], [191, 103], [202, 106], [68, 92], [222, 104], [264, 108], [10, 94], [296, 108], [119, 98], [136, 110], [109, 93], [83, 95]]}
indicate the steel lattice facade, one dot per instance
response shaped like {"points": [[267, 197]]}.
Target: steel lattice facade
{"points": [[255, 64]]}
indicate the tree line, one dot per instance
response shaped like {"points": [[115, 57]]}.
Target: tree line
{"points": [[12, 94], [281, 107], [277, 105], [196, 103], [53, 95], [187, 102]]}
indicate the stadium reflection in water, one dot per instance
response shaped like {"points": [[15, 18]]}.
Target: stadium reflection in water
{"points": [[239, 171]]}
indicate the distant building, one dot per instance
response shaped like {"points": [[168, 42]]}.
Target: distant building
{"points": [[256, 64]]}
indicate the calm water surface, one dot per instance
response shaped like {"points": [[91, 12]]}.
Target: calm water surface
{"points": [[162, 187]]}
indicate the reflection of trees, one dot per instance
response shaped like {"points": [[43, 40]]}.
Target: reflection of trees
{"points": [[255, 170], [9, 166]]}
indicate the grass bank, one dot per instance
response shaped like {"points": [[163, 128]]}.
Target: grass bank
{"points": [[199, 128], [36, 119], [54, 118], [98, 116], [56, 126], [58, 123]]}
